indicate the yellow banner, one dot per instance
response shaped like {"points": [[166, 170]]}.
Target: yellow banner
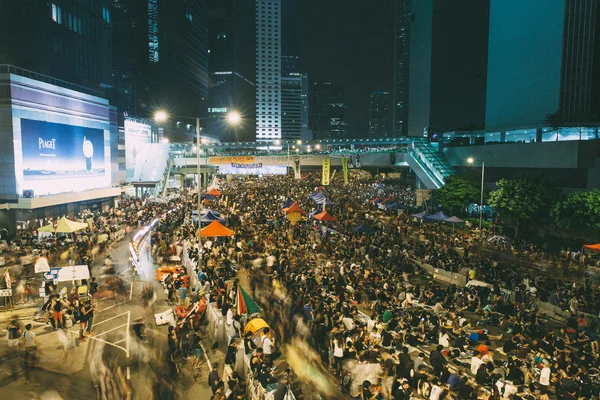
{"points": [[231, 159], [326, 168], [345, 169]]}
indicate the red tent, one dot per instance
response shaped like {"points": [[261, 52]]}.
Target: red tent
{"points": [[294, 208], [214, 192], [592, 247], [215, 229], [324, 216]]}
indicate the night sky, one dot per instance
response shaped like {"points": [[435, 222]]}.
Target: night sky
{"points": [[350, 43]]}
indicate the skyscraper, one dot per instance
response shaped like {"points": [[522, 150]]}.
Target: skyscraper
{"points": [[448, 64], [232, 69], [380, 116], [327, 112], [268, 70], [162, 54], [291, 107], [60, 39], [401, 68]]}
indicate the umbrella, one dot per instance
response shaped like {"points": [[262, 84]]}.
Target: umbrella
{"points": [[364, 227], [67, 226], [420, 215], [437, 217], [215, 229], [324, 216]]}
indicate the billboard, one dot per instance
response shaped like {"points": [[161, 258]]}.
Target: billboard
{"points": [[56, 158], [137, 136]]}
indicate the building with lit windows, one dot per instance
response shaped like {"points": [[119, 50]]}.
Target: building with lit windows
{"points": [[327, 111], [380, 116], [401, 67], [291, 107], [268, 70]]}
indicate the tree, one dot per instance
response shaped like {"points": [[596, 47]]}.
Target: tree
{"points": [[458, 192], [524, 198], [579, 211], [556, 121]]}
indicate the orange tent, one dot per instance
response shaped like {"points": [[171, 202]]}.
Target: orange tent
{"points": [[215, 229], [324, 216], [592, 247], [294, 208], [214, 192]]}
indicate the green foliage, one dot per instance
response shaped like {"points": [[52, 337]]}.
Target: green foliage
{"points": [[524, 198], [458, 192], [475, 223], [579, 211]]}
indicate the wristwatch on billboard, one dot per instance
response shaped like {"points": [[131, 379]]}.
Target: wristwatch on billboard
{"points": [[88, 152]]}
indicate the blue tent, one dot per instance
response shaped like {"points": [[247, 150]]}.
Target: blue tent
{"points": [[437, 217], [287, 203], [208, 210], [364, 227], [319, 198], [394, 206], [420, 215], [210, 217], [209, 197]]}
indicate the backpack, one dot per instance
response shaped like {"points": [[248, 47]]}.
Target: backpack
{"points": [[77, 314]]}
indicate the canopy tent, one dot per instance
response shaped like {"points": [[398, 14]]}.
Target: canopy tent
{"points": [[209, 197], [215, 229], [420, 215], [211, 216], [394, 206], [214, 192], [592, 247], [437, 217], [363, 228], [387, 200], [320, 198], [500, 240], [208, 210], [324, 216], [47, 228], [67, 226], [294, 208], [454, 220], [288, 203], [244, 303]]}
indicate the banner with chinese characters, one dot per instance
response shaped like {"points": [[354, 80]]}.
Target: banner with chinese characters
{"points": [[345, 169], [255, 165], [297, 173], [231, 160], [326, 168]]}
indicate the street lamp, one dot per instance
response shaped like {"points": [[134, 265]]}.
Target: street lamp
{"points": [[471, 161]]}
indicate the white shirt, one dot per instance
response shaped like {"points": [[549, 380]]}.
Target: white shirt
{"points": [[475, 364], [545, 376], [444, 340], [229, 316], [267, 345], [435, 393], [29, 339]]}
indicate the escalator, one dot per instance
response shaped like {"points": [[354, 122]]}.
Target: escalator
{"points": [[430, 166]]}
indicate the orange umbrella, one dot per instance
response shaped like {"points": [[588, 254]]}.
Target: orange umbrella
{"points": [[324, 216], [214, 192], [294, 208], [215, 229]]}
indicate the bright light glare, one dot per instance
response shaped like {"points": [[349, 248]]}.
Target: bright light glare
{"points": [[234, 118], [204, 140], [164, 140], [318, 147], [299, 142], [470, 160], [277, 142], [161, 116]]}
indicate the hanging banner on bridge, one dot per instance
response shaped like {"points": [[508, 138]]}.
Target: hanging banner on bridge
{"points": [[297, 173], [325, 174], [255, 165], [231, 160], [345, 169]]}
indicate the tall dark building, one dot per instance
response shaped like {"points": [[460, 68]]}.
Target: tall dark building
{"points": [[162, 54], [380, 116], [59, 38], [290, 43], [448, 64], [327, 111], [232, 70], [291, 107], [401, 68]]}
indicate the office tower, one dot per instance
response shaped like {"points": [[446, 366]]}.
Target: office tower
{"points": [[162, 55], [60, 39], [380, 116], [327, 112], [232, 68], [291, 107], [304, 99], [448, 64], [268, 70], [401, 68], [543, 65]]}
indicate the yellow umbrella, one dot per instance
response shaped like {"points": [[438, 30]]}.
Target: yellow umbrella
{"points": [[47, 228], [67, 226]]}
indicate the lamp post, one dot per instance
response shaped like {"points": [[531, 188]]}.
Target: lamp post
{"points": [[471, 160]]}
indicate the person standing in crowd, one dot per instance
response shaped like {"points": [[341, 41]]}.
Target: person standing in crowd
{"points": [[31, 346]]}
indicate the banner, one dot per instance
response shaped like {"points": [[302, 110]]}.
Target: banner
{"points": [[255, 165], [345, 169], [325, 174], [231, 159], [297, 173]]}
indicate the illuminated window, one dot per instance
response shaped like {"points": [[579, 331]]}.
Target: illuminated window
{"points": [[106, 15], [56, 14]]}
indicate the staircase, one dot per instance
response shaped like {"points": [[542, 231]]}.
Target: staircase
{"points": [[429, 165], [162, 185]]}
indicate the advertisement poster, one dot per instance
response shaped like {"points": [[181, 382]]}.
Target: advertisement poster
{"points": [[137, 136], [52, 151], [325, 174]]}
